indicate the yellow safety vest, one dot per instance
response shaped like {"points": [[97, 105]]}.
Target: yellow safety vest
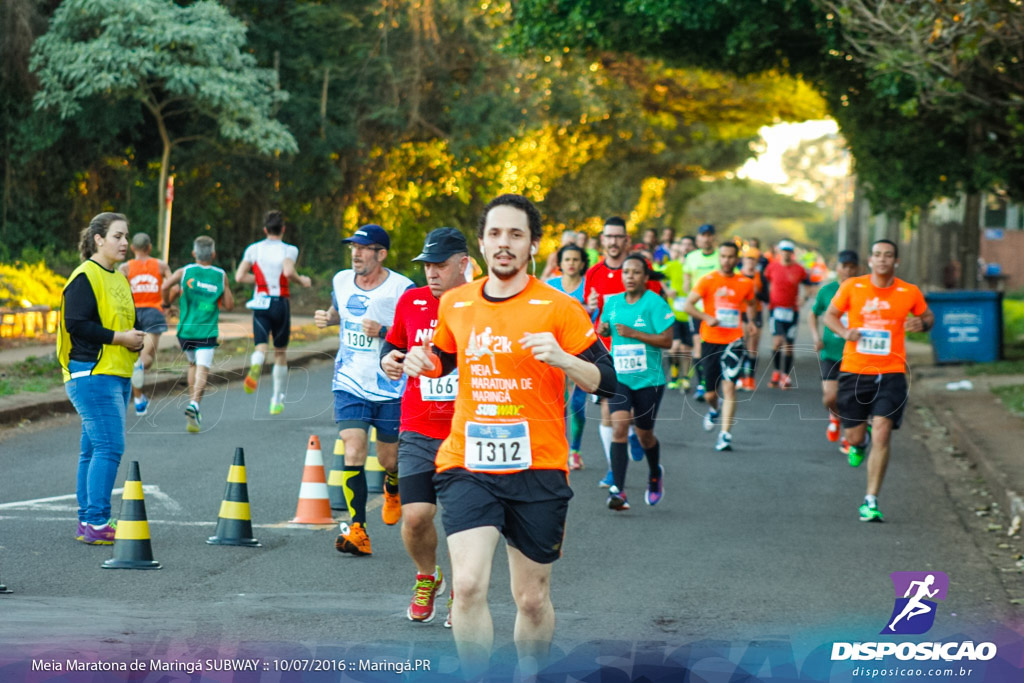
{"points": [[117, 312]]}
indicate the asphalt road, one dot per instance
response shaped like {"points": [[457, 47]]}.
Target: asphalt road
{"points": [[760, 544]]}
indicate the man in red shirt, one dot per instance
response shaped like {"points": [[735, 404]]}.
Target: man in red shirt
{"points": [[428, 405], [784, 278]]}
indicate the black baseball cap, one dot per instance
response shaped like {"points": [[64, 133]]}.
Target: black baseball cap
{"points": [[706, 229], [849, 256], [441, 244], [370, 234]]}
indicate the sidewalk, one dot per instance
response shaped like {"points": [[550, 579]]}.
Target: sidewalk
{"points": [[31, 406], [980, 424]]}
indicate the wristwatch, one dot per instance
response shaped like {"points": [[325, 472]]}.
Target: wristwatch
{"points": [[383, 332]]}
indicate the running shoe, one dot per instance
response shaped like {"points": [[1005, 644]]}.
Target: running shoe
{"points": [[80, 533], [608, 481], [252, 379], [353, 540], [844, 446], [686, 385], [192, 419], [856, 455], [751, 385], [575, 460], [709, 420], [101, 536], [870, 513], [617, 500], [655, 488], [776, 376], [741, 384], [451, 599], [636, 451], [277, 405], [698, 393], [787, 382], [427, 587], [832, 432], [673, 385], [391, 511], [141, 406], [724, 442]]}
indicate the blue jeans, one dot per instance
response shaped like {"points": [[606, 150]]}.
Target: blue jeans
{"points": [[101, 401]]}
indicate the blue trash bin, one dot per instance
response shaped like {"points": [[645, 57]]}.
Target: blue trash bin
{"points": [[968, 326]]}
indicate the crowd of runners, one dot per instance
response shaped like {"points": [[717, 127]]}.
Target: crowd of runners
{"points": [[478, 388]]}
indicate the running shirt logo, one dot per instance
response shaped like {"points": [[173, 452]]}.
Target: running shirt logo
{"points": [[419, 302], [487, 344], [639, 322], [462, 304], [873, 305], [916, 592], [357, 304], [539, 302], [145, 283], [425, 335]]}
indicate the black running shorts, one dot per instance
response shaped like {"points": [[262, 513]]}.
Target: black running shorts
{"points": [[274, 322], [416, 464], [722, 362], [861, 396], [643, 402], [829, 368], [528, 508]]}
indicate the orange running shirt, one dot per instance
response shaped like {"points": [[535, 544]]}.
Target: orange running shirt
{"points": [[510, 410], [145, 279], [724, 298], [880, 314]]}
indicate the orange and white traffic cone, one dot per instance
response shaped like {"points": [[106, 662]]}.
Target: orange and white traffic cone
{"points": [[314, 504]]}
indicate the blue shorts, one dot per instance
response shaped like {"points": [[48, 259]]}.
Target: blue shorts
{"points": [[355, 412]]}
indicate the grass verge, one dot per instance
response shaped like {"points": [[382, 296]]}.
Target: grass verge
{"points": [[1012, 397]]}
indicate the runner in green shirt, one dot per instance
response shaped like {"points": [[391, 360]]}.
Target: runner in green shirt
{"points": [[204, 290], [831, 345], [698, 263], [640, 324], [677, 360]]}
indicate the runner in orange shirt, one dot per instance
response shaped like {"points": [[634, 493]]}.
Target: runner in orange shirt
{"points": [[872, 377], [752, 341], [503, 469], [725, 294]]}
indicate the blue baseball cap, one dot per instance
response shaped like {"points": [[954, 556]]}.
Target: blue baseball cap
{"points": [[370, 234], [706, 229]]}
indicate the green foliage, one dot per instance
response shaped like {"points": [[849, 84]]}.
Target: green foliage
{"points": [[32, 374]]}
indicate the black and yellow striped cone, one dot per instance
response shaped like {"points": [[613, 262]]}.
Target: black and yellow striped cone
{"points": [[336, 478], [132, 549], [234, 526], [374, 472]]}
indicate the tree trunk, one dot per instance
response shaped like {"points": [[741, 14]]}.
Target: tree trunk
{"points": [[970, 242], [161, 213], [323, 103]]}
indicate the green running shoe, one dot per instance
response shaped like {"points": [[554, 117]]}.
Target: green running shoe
{"points": [[870, 513], [856, 455]]}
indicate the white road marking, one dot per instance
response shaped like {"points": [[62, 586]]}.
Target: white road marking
{"points": [[152, 491]]}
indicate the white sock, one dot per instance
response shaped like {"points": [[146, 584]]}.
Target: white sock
{"points": [[606, 440], [257, 358], [280, 374], [871, 500], [193, 404], [138, 375]]}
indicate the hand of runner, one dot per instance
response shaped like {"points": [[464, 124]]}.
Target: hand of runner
{"points": [[914, 324], [321, 318], [305, 281], [594, 300], [852, 334], [819, 345], [392, 364], [604, 329], [371, 328], [751, 329], [420, 360], [544, 348], [711, 321], [624, 331], [130, 339]]}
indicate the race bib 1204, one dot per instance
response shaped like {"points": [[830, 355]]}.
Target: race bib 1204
{"points": [[498, 447], [629, 358]]}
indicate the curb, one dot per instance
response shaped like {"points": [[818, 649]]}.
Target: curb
{"points": [[55, 401]]}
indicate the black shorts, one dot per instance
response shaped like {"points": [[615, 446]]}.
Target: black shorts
{"points": [[150, 320], [758, 319], [721, 362], [694, 324], [829, 368], [193, 344], [528, 508], [785, 329], [276, 322], [643, 402], [861, 396], [416, 464], [681, 332]]}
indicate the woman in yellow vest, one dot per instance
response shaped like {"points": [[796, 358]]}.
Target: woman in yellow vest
{"points": [[97, 347]]}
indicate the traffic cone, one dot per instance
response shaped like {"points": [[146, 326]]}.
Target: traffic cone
{"points": [[374, 471], [131, 540], [314, 506], [234, 526], [336, 477]]}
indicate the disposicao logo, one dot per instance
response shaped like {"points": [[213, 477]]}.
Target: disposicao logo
{"points": [[913, 613]]}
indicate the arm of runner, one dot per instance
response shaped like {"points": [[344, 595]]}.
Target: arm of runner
{"points": [[597, 354], [921, 323], [833, 323], [326, 318], [227, 299], [545, 348], [751, 314], [391, 358], [123, 268], [812, 323], [372, 328], [288, 268], [691, 309], [429, 361], [663, 340], [244, 273], [168, 292]]}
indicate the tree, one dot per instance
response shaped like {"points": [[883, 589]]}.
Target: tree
{"points": [[184, 65]]}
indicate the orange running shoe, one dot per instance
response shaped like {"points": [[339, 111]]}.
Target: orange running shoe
{"points": [[353, 540], [775, 379], [252, 379], [787, 382], [832, 433], [844, 446], [391, 512]]}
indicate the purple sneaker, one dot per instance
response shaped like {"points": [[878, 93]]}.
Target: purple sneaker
{"points": [[80, 534], [102, 536], [655, 488]]}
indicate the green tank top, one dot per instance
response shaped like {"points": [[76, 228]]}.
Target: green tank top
{"points": [[201, 288]]}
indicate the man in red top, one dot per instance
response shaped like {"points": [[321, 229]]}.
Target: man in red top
{"points": [[503, 469], [784, 278], [146, 275], [872, 377], [427, 409], [601, 281], [726, 296]]}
